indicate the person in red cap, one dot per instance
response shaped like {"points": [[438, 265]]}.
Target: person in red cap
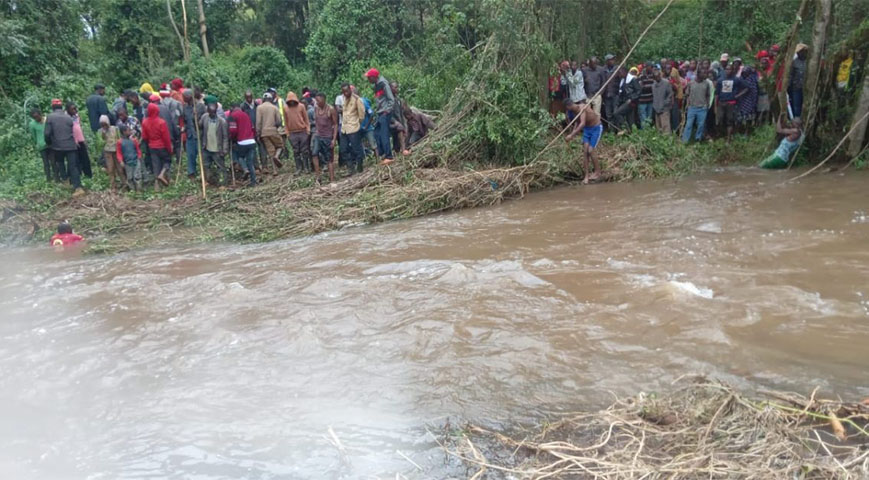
{"points": [[385, 103]]}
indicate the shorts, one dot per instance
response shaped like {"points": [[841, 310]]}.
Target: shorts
{"points": [[728, 114], [591, 135], [324, 150], [272, 144]]}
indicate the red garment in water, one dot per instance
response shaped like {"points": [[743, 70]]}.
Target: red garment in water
{"points": [[63, 239]]}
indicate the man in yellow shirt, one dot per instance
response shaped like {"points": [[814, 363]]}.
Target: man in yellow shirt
{"points": [[351, 128]]}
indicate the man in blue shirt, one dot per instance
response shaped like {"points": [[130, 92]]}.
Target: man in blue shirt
{"points": [[729, 89]]}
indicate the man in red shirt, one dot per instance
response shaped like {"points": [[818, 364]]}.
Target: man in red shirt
{"points": [[241, 132], [155, 131], [64, 236]]}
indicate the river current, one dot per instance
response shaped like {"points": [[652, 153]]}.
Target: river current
{"points": [[333, 356]]}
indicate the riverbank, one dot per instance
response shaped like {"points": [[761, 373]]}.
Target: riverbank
{"points": [[288, 206], [699, 429]]}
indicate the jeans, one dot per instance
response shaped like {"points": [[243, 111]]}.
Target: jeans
{"points": [[796, 101], [245, 155], [210, 158], [351, 144], [301, 151], [696, 117], [71, 157], [192, 146], [382, 135], [645, 111]]}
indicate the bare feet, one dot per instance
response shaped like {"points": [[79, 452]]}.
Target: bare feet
{"points": [[387, 161], [594, 176], [585, 180]]}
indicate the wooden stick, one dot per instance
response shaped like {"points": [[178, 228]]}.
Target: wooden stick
{"points": [[195, 119]]}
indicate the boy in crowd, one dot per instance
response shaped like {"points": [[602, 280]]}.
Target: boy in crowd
{"points": [[215, 139], [730, 89], [155, 132], [268, 128], [110, 135], [700, 95], [644, 107], [299, 131], [129, 157], [662, 102], [367, 124], [245, 145], [193, 111], [592, 128], [325, 133], [36, 127], [351, 129]]}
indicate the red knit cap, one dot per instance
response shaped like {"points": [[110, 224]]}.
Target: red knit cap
{"points": [[372, 73], [56, 102]]}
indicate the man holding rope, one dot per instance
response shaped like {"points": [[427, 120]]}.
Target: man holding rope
{"points": [[592, 128]]}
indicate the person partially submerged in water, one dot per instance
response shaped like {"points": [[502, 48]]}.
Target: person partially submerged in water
{"points": [[793, 137], [64, 236]]}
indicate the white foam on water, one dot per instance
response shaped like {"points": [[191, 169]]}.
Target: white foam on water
{"points": [[689, 287], [709, 227]]}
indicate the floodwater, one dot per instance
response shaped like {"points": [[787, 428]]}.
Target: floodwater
{"points": [[330, 357]]}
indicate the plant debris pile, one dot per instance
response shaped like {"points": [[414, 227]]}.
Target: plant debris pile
{"points": [[701, 430]]}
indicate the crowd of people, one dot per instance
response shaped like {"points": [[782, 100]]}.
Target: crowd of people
{"points": [[142, 133], [696, 98]]}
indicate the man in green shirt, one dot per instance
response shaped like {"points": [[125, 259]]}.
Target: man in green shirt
{"points": [[36, 127]]}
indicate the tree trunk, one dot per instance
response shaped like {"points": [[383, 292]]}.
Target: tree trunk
{"points": [[202, 28], [184, 50], [813, 68], [858, 135]]}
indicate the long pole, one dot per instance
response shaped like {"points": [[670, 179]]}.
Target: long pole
{"points": [[195, 117]]}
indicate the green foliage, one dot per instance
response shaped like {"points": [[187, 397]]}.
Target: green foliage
{"points": [[350, 30], [135, 38], [40, 37]]}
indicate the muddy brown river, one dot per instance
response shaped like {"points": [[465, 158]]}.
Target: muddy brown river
{"points": [[248, 362]]}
